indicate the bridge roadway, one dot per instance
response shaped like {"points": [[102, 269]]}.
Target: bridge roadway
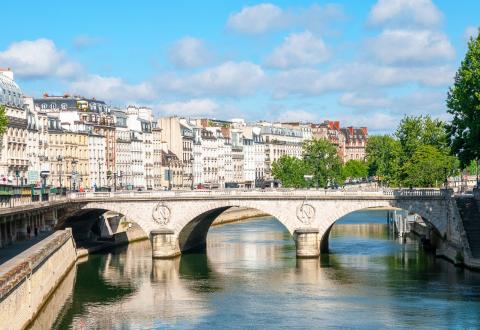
{"points": [[178, 221]]}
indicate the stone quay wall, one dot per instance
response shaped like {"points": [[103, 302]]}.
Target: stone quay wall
{"points": [[29, 279]]}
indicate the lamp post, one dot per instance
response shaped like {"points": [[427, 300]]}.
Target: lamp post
{"points": [[446, 178], [191, 171], [74, 172], [99, 174], [169, 172], [169, 159], [60, 159]]}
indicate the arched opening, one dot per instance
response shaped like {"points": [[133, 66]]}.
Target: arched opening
{"points": [[383, 222], [193, 236], [97, 228]]}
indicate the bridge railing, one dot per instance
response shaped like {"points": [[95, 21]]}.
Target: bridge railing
{"points": [[418, 192], [264, 192]]}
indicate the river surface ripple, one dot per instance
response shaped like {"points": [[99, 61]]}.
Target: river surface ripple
{"points": [[249, 278]]}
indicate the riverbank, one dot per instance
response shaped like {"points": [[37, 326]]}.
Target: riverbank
{"points": [[29, 279], [443, 249]]}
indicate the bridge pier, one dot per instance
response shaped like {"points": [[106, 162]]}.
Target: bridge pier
{"points": [[164, 244], [307, 241]]}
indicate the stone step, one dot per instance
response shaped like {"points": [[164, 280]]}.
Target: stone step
{"points": [[470, 212]]}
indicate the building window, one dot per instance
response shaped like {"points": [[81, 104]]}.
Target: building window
{"points": [[64, 106], [53, 106], [44, 106]]}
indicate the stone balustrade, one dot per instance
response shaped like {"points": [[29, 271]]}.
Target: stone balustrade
{"points": [[313, 193]]}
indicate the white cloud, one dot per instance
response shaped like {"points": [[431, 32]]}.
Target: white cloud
{"points": [[189, 52], [470, 32], [410, 47], [376, 122], [256, 19], [193, 107], [356, 77], [420, 102], [405, 13], [364, 100], [417, 102], [266, 17], [226, 79], [297, 115], [299, 49], [38, 59], [112, 89]]}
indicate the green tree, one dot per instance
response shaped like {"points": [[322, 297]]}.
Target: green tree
{"points": [[472, 168], [428, 167], [290, 170], [322, 159], [383, 158], [463, 102], [355, 169], [3, 119], [416, 131]]}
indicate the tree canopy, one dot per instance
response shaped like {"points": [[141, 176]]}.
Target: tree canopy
{"points": [[383, 158], [463, 103], [428, 167], [414, 132], [355, 169], [320, 160], [321, 157], [417, 154], [290, 170]]}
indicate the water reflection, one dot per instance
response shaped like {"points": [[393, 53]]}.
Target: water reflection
{"points": [[250, 277]]}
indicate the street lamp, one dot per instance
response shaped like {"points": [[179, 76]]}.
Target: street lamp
{"points": [[99, 175], [191, 171], [74, 172], [169, 159], [59, 160]]}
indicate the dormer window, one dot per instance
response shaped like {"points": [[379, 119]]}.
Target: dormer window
{"points": [[64, 106], [44, 106], [53, 106]]}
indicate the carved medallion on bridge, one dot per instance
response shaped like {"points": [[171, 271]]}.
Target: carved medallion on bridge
{"points": [[161, 214], [305, 213]]}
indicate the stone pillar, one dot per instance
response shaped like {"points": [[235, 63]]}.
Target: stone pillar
{"points": [[164, 243], [308, 242]]}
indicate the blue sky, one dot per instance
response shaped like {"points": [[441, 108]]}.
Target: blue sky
{"points": [[361, 62]]}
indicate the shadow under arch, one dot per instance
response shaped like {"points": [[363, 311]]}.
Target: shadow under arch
{"points": [[193, 236], [86, 224], [433, 231]]}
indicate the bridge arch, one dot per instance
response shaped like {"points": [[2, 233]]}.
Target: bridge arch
{"points": [[428, 210], [192, 235], [83, 217]]}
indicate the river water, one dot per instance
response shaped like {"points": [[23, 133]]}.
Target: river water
{"points": [[249, 278]]}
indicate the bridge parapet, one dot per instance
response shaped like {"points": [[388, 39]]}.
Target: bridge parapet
{"points": [[303, 193]]}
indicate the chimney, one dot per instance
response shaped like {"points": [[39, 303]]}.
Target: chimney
{"points": [[45, 95]]}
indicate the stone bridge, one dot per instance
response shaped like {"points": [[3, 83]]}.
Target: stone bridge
{"points": [[179, 221]]}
